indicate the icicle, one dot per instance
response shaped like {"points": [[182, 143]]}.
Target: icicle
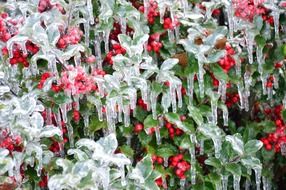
{"points": [[166, 102], [185, 5], [201, 78], [214, 111], [275, 81], [230, 17], [269, 93], [153, 98], [77, 59], [63, 108], [123, 25], [128, 140], [246, 101], [260, 58], [86, 125], [182, 183], [49, 116], [257, 177], [190, 87], [58, 118], [266, 185], [179, 96], [177, 33], [217, 146], [106, 41], [123, 179], [52, 64], [126, 113], [284, 101], [172, 182], [222, 91], [224, 179], [97, 50], [218, 185], [236, 182], [146, 8], [86, 33], [249, 39], [276, 16], [76, 102], [247, 184], [90, 11], [166, 161], [70, 135], [171, 35], [162, 9], [225, 116], [263, 79], [237, 66], [158, 135], [173, 97], [202, 147], [283, 149], [192, 152]]}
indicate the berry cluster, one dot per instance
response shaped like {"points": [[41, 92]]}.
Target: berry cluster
{"points": [[10, 142], [173, 130], [231, 99], [117, 30], [19, 56], [154, 43], [277, 138], [72, 37], [116, 50], [270, 81], [8, 27], [153, 11], [46, 5], [141, 103], [180, 165], [227, 62], [55, 88], [157, 159], [76, 81], [169, 24]]}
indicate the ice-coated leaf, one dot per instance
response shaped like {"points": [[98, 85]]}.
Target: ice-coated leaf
{"points": [[50, 131], [4, 89], [236, 143], [251, 162], [252, 146], [87, 143], [195, 113], [142, 170], [53, 33], [109, 143], [78, 154], [37, 120], [169, 64]]}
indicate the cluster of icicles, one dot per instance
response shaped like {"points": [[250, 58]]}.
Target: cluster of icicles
{"points": [[116, 106]]}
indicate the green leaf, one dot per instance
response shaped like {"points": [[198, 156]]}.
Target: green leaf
{"points": [[233, 168], [252, 146], [236, 143], [149, 122], [218, 72], [196, 115], [260, 41], [96, 125], [166, 150], [127, 150], [212, 161]]}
